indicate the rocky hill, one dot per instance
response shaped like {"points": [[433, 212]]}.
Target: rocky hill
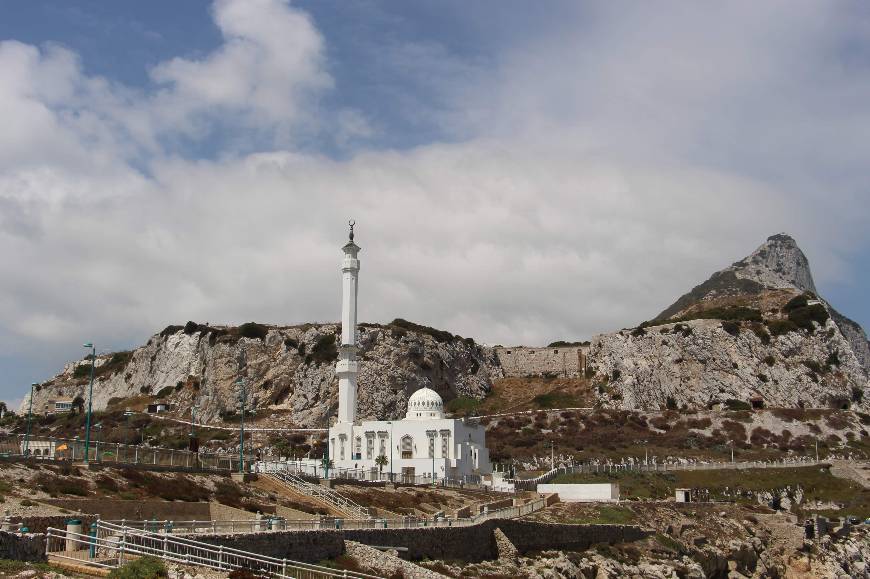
{"points": [[755, 330], [289, 370]]}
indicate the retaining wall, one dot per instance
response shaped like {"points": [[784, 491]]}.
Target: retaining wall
{"points": [[473, 543], [117, 509], [29, 547]]}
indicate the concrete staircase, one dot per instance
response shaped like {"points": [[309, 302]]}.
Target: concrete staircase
{"points": [[325, 496]]}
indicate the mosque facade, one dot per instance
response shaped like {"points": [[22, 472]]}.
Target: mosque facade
{"points": [[422, 445]]}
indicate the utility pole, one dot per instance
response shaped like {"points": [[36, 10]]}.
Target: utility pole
{"points": [[90, 400], [29, 419]]}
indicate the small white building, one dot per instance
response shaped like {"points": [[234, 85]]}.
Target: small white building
{"points": [[582, 492], [424, 444]]}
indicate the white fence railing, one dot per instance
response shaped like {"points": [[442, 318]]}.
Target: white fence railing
{"points": [[274, 524], [322, 494], [113, 545]]}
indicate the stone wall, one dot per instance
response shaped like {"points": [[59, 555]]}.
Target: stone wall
{"points": [[520, 361], [117, 509], [220, 512], [473, 543], [307, 546], [28, 547]]}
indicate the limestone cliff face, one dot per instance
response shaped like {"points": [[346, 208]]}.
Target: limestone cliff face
{"points": [[698, 364], [289, 368], [756, 328]]}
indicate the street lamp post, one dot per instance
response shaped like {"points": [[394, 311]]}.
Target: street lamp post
{"points": [[29, 419], [127, 414], [90, 400], [390, 422], [99, 427]]}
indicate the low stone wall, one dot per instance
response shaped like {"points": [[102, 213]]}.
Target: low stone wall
{"points": [[307, 546], [532, 536], [472, 543], [117, 509], [495, 505], [28, 547], [219, 512]]}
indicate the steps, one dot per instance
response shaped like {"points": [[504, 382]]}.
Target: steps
{"points": [[327, 497]]}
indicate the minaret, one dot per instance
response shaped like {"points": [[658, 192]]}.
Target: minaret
{"points": [[347, 367]]}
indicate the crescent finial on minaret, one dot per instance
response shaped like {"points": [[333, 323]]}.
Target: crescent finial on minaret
{"points": [[351, 223]]}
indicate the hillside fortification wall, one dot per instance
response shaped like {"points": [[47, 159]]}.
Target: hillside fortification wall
{"points": [[557, 361]]}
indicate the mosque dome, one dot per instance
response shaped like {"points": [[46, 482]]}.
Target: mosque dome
{"points": [[425, 403]]}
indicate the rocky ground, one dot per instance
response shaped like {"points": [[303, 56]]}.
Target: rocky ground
{"points": [[691, 541]]}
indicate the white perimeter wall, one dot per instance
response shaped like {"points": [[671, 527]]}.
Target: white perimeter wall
{"points": [[573, 493]]}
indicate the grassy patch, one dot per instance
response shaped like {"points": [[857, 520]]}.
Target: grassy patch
{"points": [[818, 484], [556, 400]]}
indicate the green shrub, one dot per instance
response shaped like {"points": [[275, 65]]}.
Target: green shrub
{"points": [[795, 303], [564, 344], [253, 330], [439, 335], [781, 327], [165, 391], [638, 331], [82, 371], [731, 327], [670, 403], [324, 351], [732, 404], [814, 366], [763, 378], [804, 317], [462, 405], [857, 394], [833, 359], [761, 332], [769, 360], [146, 567]]}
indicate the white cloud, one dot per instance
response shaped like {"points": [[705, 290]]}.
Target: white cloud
{"points": [[603, 176]]}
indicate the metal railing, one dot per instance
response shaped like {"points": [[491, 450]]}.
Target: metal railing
{"points": [[110, 546], [54, 448], [322, 494], [275, 524]]}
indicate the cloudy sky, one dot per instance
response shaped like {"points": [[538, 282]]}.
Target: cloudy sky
{"points": [[519, 172]]}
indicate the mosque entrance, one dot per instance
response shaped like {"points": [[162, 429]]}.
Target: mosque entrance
{"points": [[408, 473]]}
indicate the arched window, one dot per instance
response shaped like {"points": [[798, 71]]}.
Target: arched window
{"points": [[357, 448], [407, 446]]}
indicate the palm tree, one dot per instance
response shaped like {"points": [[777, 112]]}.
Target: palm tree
{"points": [[381, 461]]}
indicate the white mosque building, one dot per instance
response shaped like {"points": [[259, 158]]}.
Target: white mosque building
{"points": [[423, 445]]}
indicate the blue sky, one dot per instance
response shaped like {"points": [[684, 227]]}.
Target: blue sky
{"points": [[519, 175]]}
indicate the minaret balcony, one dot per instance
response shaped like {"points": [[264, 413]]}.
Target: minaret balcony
{"points": [[347, 367], [349, 264]]}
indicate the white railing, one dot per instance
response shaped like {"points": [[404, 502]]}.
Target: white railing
{"points": [[323, 494], [113, 545], [275, 524]]}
